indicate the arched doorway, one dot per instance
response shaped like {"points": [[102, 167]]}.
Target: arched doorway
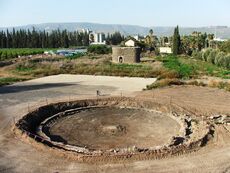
{"points": [[120, 59]]}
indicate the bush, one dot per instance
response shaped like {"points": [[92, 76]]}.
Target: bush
{"points": [[223, 60], [225, 46], [99, 49], [219, 58], [227, 61], [205, 54], [183, 70], [212, 56], [215, 57], [163, 83], [219, 84], [9, 80], [197, 55], [75, 56]]}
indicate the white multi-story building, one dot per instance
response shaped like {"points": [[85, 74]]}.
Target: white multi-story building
{"points": [[99, 38]]}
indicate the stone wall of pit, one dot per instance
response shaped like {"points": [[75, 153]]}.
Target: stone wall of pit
{"points": [[27, 126]]}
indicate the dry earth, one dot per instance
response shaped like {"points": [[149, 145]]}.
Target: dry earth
{"points": [[107, 128], [18, 99]]}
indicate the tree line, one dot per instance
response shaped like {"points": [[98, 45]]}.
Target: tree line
{"points": [[54, 39], [115, 38], [42, 39], [193, 42]]}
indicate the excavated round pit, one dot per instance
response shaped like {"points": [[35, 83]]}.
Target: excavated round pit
{"points": [[112, 127]]}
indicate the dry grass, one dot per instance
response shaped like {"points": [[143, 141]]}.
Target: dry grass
{"points": [[86, 65], [165, 82], [219, 84]]}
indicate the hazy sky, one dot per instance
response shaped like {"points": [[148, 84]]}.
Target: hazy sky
{"points": [[136, 12]]}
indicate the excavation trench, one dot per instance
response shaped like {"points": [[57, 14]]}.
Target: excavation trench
{"points": [[115, 127]]}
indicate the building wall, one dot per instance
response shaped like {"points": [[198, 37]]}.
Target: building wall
{"points": [[166, 50], [126, 55], [130, 43], [99, 38]]}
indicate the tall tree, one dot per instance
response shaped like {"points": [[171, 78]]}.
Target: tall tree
{"points": [[150, 32], [176, 41]]}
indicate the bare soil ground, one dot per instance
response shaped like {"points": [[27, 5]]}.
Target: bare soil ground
{"points": [[111, 128], [200, 100], [17, 156]]}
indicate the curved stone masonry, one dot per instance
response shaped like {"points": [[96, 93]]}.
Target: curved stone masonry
{"points": [[193, 133]]}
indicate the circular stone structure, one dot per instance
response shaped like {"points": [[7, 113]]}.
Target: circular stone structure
{"points": [[111, 127], [126, 54], [114, 128]]}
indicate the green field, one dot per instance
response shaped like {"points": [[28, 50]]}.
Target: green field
{"points": [[187, 67], [6, 54]]}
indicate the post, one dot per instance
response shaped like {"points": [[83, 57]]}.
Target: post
{"points": [[170, 104], [14, 121], [28, 107], [98, 93]]}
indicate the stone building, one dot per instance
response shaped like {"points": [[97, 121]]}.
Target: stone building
{"points": [[126, 55]]}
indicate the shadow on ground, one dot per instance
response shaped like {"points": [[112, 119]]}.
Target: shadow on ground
{"points": [[23, 88]]}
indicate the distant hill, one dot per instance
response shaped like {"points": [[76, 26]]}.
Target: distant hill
{"points": [[221, 31]]}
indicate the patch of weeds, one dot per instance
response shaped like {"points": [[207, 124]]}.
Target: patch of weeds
{"points": [[184, 71], [164, 82], [9, 80]]}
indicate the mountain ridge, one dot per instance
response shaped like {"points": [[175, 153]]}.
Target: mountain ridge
{"points": [[220, 31]]}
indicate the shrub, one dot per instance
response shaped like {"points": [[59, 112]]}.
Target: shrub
{"points": [[205, 54], [212, 56], [225, 46], [183, 70], [219, 84], [227, 57], [9, 80], [197, 55], [75, 56], [218, 58], [25, 67], [164, 82], [99, 49], [167, 74], [196, 83]]}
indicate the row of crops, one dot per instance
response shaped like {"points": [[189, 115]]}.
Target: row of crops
{"points": [[6, 54]]}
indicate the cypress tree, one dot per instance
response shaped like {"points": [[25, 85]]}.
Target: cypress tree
{"points": [[176, 41], [1, 40]]}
